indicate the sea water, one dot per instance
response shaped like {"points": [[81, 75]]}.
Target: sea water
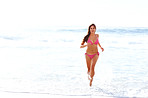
{"points": [[50, 61]]}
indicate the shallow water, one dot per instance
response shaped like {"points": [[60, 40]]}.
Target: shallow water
{"points": [[51, 62]]}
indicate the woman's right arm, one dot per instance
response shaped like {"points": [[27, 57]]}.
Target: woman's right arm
{"points": [[82, 46]]}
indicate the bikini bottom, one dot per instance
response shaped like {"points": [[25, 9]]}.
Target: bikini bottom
{"points": [[91, 56]]}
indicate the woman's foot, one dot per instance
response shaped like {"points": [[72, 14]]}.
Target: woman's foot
{"points": [[89, 77], [90, 84]]}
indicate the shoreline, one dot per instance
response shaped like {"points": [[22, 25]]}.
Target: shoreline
{"points": [[5, 94]]}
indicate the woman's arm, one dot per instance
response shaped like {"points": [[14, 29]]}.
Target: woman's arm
{"points": [[82, 46], [101, 47], [99, 43]]}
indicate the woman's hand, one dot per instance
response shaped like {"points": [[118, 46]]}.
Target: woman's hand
{"points": [[102, 49], [82, 46]]}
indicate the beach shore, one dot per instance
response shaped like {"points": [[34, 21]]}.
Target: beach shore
{"points": [[30, 95]]}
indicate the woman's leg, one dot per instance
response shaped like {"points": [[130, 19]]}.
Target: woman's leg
{"points": [[92, 68], [88, 62]]}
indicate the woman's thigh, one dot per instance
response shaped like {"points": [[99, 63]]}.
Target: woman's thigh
{"points": [[94, 60], [88, 60]]}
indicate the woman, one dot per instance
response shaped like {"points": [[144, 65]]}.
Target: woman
{"points": [[92, 53]]}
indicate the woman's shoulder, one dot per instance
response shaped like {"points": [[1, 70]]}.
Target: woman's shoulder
{"points": [[97, 35]]}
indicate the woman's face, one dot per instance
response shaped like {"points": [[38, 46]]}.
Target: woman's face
{"points": [[92, 29]]}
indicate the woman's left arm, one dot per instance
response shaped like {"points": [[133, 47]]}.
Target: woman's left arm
{"points": [[101, 47], [99, 43]]}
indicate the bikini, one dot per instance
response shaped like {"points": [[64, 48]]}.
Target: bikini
{"points": [[89, 41]]}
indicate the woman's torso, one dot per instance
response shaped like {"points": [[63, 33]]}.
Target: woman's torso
{"points": [[92, 45]]}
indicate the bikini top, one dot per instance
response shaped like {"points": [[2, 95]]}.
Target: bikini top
{"points": [[89, 41]]}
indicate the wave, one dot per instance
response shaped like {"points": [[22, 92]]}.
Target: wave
{"points": [[113, 30], [131, 30], [91, 92], [46, 93], [10, 38]]}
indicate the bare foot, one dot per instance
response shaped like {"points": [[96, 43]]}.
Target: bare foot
{"points": [[89, 77], [91, 82]]}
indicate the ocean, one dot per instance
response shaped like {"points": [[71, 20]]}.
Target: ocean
{"points": [[50, 61]]}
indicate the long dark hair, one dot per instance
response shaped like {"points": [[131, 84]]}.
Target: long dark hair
{"points": [[88, 34]]}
